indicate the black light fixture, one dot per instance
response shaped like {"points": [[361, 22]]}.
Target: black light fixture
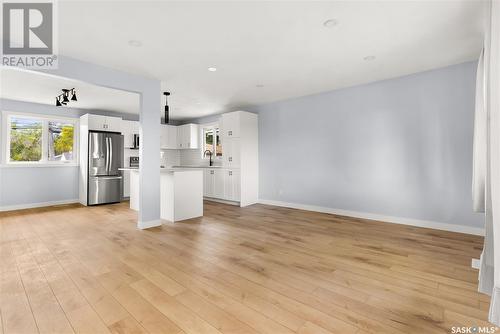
{"points": [[73, 98], [65, 95], [167, 116], [63, 99]]}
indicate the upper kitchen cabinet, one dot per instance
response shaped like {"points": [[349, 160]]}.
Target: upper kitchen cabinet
{"points": [[168, 137], [129, 129], [187, 136], [103, 123], [231, 124]]}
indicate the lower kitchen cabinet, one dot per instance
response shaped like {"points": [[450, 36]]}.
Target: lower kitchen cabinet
{"points": [[221, 183], [232, 185]]}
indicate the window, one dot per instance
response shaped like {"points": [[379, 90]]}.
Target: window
{"points": [[39, 139], [61, 141], [211, 138]]}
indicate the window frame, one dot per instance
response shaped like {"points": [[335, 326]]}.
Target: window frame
{"points": [[214, 126], [45, 119]]}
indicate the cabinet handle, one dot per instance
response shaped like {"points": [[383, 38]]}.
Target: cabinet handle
{"points": [[230, 133], [230, 159], [230, 173], [211, 172]]}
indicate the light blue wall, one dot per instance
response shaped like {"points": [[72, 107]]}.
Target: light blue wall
{"points": [[400, 147], [33, 185]]}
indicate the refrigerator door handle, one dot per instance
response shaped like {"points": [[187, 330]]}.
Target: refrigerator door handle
{"points": [[110, 154], [107, 155]]}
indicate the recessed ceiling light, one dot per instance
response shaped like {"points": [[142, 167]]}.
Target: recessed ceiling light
{"points": [[212, 69], [135, 43], [259, 85], [369, 58], [330, 23]]}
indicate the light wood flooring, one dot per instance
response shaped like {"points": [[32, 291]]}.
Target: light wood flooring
{"points": [[260, 269]]}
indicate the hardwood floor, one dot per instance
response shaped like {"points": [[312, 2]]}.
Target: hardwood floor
{"points": [[260, 269]]}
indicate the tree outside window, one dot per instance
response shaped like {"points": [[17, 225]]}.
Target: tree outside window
{"points": [[25, 139], [60, 141]]}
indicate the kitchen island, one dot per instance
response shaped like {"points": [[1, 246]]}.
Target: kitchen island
{"points": [[181, 192]]}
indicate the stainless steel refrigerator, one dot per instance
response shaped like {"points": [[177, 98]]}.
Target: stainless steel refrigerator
{"points": [[105, 157]]}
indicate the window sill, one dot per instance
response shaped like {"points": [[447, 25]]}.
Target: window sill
{"points": [[35, 165]]}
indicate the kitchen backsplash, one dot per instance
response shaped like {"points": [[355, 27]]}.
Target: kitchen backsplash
{"points": [[193, 158]]}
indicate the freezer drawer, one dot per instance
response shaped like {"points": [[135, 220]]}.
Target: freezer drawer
{"points": [[105, 189]]}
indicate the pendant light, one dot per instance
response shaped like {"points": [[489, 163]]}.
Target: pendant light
{"points": [[65, 95], [73, 98], [167, 116], [58, 103]]}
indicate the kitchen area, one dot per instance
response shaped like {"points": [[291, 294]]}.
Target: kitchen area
{"points": [[216, 161]]}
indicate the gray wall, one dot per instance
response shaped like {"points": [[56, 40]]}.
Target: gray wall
{"points": [[32, 185], [399, 147]]}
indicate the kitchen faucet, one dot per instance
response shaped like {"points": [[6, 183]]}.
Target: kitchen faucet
{"points": [[210, 154]]}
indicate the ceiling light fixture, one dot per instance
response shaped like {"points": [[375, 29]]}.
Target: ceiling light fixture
{"points": [[212, 69], [167, 109], [65, 95], [62, 99], [369, 58], [73, 98], [135, 43], [330, 23]]}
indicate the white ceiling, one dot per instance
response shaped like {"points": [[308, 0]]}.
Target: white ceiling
{"points": [[282, 45], [42, 88]]}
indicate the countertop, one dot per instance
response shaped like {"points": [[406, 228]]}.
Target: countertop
{"points": [[162, 170]]}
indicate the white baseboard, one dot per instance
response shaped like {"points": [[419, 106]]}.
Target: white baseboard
{"points": [[37, 205], [374, 216], [223, 201], [148, 224]]}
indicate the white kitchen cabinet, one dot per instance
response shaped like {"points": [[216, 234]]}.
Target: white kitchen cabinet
{"points": [[231, 124], [208, 182], [187, 136], [213, 183], [219, 183], [104, 123], [168, 137], [231, 152], [232, 184], [129, 129]]}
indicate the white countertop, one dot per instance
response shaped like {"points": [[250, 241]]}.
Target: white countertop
{"points": [[197, 166], [162, 170]]}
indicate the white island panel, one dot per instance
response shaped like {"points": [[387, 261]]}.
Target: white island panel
{"points": [[181, 192]]}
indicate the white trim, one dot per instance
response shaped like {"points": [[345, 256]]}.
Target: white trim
{"points": [[378, 217], [45, 119], [149, 224], [36, 205], [475, 263], [39, 165], [223, 201]]}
